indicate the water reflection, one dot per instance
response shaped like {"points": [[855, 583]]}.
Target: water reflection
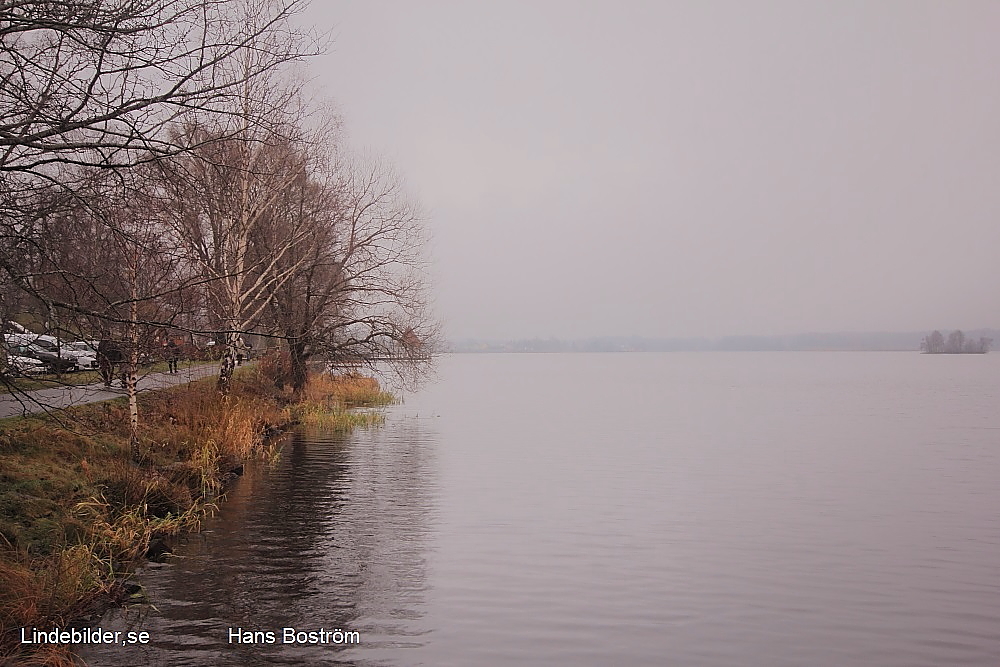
{"points": [[771, 510], [334, 537]]}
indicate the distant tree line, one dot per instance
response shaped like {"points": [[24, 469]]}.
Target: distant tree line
{"points": [[836, 341], [956, 343], [162, 173]]}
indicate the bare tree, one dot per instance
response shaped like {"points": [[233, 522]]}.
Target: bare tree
{"points": [[956, 342], [100, 83], [934, 343], [370, 306], [90, 85], [304, 303], [223, 193], [106, 270]]}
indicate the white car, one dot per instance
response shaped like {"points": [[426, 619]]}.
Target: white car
{"points": [[53, 363], [85, 355], [88, 347], [24, 365], [81, 354]]}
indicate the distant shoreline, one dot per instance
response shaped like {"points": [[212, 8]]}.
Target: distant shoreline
{"points": [[817, 351], [910, 341]]}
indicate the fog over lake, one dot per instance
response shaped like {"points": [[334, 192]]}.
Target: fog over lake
{"points": [[709, 508], [687, 168]]}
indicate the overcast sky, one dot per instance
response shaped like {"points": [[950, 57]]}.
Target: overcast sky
{"points": [[687, 168]]}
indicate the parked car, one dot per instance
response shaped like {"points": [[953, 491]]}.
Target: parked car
{"points": [[14, 327], [18, 365], [53, 363], [84, 346], [28, 338], [84, 358], [86, 353], [80, 353], [20, 338]]}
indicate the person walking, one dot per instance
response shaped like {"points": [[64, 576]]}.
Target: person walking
{"points": [[173, 354], [241, 351]]}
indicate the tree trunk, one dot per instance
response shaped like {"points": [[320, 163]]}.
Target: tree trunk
{"points": [[129, 379], [228, 360], [130, 363], [297, 356]]}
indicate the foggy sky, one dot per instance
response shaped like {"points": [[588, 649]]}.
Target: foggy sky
{"points": [[687, 168]]}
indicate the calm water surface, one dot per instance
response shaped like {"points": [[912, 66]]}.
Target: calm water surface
{"points": [[769, 509]]}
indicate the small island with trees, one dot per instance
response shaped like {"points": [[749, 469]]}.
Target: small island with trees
{"points": [[956, 343]]}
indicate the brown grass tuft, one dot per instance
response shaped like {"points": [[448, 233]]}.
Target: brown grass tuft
{"points": [[346, 391]]}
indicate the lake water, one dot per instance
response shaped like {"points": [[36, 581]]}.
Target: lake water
{"points": [[772, 509]]}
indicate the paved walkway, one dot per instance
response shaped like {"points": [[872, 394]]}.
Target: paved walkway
{"points": [[42, 400]]}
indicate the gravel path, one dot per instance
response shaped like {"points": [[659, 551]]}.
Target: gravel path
{"points": [[42, 400]]}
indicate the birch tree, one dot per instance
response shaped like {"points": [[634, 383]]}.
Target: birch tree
{"points": [[223, 193]]}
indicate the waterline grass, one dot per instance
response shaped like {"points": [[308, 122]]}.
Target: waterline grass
{"points": [[332, 402], [76, 514]]}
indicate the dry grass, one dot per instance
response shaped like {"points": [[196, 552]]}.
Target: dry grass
{"points": [[346, 391], [329, 401], [49, 587], [47, 591], [75, 513]]}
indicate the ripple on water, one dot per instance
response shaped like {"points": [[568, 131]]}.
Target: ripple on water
{"points": [[738, 509]]}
